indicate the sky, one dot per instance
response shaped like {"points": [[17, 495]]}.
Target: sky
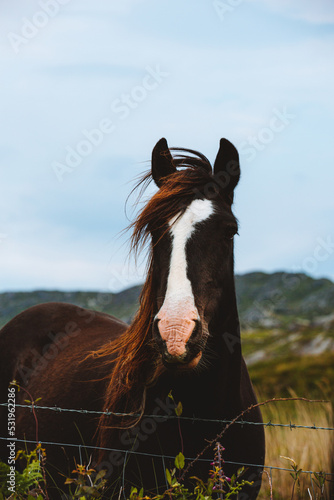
{"points": [[89, 86]]}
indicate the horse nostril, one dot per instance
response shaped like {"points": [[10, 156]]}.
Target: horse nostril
{"points": [[197, 329], [169, 359], [156, 331]]}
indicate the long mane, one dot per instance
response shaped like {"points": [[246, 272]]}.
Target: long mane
{"points": [[135, 364]]}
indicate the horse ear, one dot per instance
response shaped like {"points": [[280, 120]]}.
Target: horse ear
{"points": [[162, 162], [227, 167]]}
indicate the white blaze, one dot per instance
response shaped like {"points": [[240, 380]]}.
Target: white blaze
{"points": [[178, 283]]}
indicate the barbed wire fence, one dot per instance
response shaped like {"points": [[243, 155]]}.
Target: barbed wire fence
{"points": [[169, 417], [242, 422]]}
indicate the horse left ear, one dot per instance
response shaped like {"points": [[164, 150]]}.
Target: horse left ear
{"points": [[162, 162], [227, 167]]}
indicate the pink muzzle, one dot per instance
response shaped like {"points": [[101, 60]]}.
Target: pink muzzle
{"points": [[177, 321]]}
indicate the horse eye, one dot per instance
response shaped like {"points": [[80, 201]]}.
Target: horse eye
{"points": [[211, 283], [230, 232]]}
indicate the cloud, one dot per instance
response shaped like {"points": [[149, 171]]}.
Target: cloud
{"points": [[314, 12]]}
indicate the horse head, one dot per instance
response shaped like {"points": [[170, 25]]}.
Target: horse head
{"points": [[192, 248]]}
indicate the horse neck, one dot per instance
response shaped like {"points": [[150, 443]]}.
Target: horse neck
{"points": [[224, 339]]}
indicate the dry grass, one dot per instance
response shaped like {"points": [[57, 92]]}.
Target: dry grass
{"points": [[310, 449]]}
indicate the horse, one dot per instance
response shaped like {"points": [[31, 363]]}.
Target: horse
{"points": [[125, 384]]}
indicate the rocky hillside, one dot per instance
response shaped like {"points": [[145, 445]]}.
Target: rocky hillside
{"points": [[283, 299], [265, 301]]}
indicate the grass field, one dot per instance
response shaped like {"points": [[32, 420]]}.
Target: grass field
{"points": [[308, 449], [283, 372]]}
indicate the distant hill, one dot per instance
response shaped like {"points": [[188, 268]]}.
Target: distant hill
{"points": [[265, 300], [272, 300], [123, 304]]}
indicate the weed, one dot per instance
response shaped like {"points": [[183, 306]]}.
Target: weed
{"points": [[30, 483], [84, 475]]}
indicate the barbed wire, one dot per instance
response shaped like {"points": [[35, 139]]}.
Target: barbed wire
{"points": [[153, 455], [170, 417]]}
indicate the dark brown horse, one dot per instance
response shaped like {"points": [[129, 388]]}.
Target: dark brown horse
{"points": [[185, 338]]}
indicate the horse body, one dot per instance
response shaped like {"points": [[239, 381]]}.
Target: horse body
{"points": [[185, 340], [47, 343]]}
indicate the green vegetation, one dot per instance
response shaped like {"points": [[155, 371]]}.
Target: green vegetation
{"points": [[86, 485], [30, 483], [310, 375], [279, 361]]}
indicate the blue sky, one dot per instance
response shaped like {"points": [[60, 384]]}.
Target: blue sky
{"points": [[88, 87]]}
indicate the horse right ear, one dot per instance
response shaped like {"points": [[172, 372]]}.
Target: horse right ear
{"points": [[162, 162], [227, 167]]}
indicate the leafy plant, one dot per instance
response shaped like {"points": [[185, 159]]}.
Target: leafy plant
{"points": [[84, 475], [218, 484], [30, 484], [319, 479], [295, 474]]}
